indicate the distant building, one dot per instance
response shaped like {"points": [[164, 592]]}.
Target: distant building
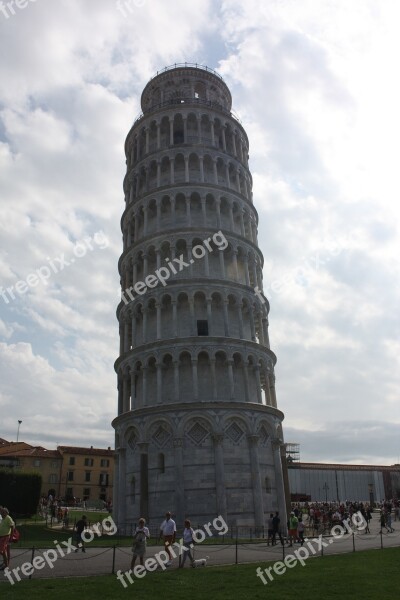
{"points": [[68, 472], [33, 459], [335, 482], [87, 473]]}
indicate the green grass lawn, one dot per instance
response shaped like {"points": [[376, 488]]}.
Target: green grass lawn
{"points": [[367, 575], [36, 533]]}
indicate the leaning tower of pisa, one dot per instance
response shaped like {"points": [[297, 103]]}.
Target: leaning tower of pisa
{"points": [[198, 430]]}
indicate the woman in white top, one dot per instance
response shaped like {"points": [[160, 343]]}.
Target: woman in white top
{"points": [[140, 536], [188, 543]]}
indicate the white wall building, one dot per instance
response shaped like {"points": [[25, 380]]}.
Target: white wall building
{"points": [[198, 430]]}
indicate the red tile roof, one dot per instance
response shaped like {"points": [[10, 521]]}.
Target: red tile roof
{"points": [[86, 451]]}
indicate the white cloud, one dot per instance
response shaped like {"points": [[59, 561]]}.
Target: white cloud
{"points": [[314, 86]]}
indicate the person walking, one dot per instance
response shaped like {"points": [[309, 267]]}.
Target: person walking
{"points": [[293, 522], [80, 526], [168, 532], [6, 530], [389, 520], [140, 537], [188, 543], [270, 529], [276, 523], [382, 520], [300, 531]]}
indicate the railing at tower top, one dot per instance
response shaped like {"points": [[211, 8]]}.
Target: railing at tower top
{"points": [[180, 101], [187, 64]]}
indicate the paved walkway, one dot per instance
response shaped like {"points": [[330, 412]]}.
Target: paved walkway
{"points": [[100, 561]]}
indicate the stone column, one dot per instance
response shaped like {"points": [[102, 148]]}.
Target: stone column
{"points": [[201, 169], [126, 388], [179, 478], [246, 380], [258, 383], [144, 325], [209, 315], [280, 490], [189, 256], [199, 128], [133, 388], [147, 140], [158, 217], [171, 132], [246, 269], [272, 390], [228, 180], [218, 439], [174, 318], [184, 130], [116, 498], [159, 382], [252, 328], [172, 170], [203, 210], [121, 337], [242, 227], [213, 378], [215, 171], [212, 133], [222, 263], [195, 379], [235, 265], [176, 380], [223, 137], [133, 330], [187, 178], [122, 488], [260, 330], [256, 481], [218, 206], [226, 323], [120, 396], [234, 144], [265, 329], [136, 215], [158, 309], [158, 136], [126, 336], [192, 324], [144, 479], [145, 223], [158, 173], [188, 215], [240, 320], [237, 180], [144, 385], [231, 380]]}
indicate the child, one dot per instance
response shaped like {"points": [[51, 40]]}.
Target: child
{"points": [[139, 547], [188, 542]]}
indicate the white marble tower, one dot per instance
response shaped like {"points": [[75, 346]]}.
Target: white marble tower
{"points": [[198, 430]]}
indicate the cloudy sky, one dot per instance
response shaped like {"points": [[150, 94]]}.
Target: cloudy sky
{"points": [[316, 87]]}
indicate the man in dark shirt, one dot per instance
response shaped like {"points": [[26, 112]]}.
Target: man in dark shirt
{"points": [[80, 526], [276, 528]]}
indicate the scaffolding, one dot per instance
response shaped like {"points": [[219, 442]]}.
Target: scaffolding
{"points": [[292, 453]]}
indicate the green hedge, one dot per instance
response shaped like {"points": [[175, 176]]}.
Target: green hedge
{"points": [[20, 492]]}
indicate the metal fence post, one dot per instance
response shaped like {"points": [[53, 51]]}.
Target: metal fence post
{"points": [[113, 560], [32, 556], [236, 549]]}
